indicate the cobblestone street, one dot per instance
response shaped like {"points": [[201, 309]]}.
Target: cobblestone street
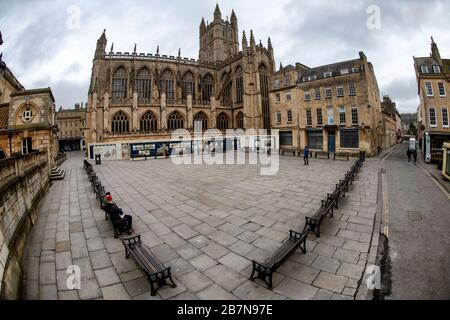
{"points": [[207, 223]]}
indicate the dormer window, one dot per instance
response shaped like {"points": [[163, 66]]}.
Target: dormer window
{"points": [[344, 71], [327, 74], [276, 83], [312, 78], [355, 70], [436, 69], [424, 69]]}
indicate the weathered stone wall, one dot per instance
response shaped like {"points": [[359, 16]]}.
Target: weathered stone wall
{"points": [[25, 181]]}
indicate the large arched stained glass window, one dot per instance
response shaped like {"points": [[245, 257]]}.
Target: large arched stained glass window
{"points": [[120, 123], [264, 85], [188, 86], [222, 121], [240, 121], [175, 121], [207, 87], [167, 84], [239, 85], [144, 84], [119, 84], [148, 122], [201, 118]]}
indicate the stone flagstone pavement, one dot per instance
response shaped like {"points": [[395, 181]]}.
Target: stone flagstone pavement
{"points": [[207, 223]]}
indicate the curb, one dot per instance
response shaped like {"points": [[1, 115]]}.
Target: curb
{"points": [[363, 292]]}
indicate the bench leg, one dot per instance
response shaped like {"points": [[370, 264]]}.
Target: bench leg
{"points": [[252, 277], [116, 232], [152, 288], [302, 246]]}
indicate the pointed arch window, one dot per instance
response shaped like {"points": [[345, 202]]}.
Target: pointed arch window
{"points": [[119, 84], [188, 86], [120, 123], [144, 84], [239, 85], [207, 87], [167, 84], [148, 122], [222, 121], [264, 85], [175, 121], [226, 95], [240, 121], [201, 118]]}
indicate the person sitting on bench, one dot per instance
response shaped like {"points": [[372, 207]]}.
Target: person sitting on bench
{"points": [[117, 214], [107, 204]]}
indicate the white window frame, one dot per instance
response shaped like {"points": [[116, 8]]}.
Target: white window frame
{"points": [[289, 116], [319, 115], [344, 71], [438, 67], [357, 116], [278, 117], [441, 85], [317, 94], [342, 111], [277, 98], [435, 117], [424, 69], [307, 96], [355, 70], [327, 74], [288, 96], [446, 113], [287, 80], [429, 89], [328, 95], [339, 88], [276, 83], [308, 119], [352, 89]]}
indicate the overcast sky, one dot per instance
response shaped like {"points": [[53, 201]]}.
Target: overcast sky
{"points": [[45, 46]]}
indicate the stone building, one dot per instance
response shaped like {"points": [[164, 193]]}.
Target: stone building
{"points": [[137, 96], [71, 127], [334, 108], [27, 118], [433, 77], [389, 121]]}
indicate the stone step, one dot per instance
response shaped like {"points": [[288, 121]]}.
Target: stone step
{"points": [[58, 175]]}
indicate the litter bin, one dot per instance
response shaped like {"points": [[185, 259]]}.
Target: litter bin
{"points": [[362, 156], [98, 159]]}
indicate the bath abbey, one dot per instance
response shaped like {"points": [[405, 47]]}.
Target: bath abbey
{"points": [[137, 96]]}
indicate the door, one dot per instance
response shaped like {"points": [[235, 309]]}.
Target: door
{"points": [[331, 142]]}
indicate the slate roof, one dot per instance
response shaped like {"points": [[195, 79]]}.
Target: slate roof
{"points": [[335, 68]]}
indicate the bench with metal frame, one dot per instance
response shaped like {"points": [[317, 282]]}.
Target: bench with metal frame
{"points": [[266, 269], [155, 271], [341, 154], [313, 223], [321, 153]]}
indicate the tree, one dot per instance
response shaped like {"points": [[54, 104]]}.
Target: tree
{"points": [[412, 131]]}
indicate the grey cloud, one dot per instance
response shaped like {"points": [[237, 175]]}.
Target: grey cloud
{"points": [[311, 32]]}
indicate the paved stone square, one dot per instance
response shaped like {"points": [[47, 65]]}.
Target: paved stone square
{"points": [[207, 223]]}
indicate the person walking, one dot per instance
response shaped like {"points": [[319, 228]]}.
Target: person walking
{"points": [[409, 155], [415, 156], [306, 156]]}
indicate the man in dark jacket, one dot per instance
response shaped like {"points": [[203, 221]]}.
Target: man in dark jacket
{"points": [[306, 156], [117, 214]]}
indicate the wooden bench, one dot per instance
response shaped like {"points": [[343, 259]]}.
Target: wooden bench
{"points": [[283, 150], [321, 153], [155, 271], [313, 223], [341, 155], [266, 269]]}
